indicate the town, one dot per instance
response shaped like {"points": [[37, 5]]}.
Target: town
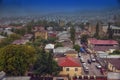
{"points": [[59, 39], [43, 50]]}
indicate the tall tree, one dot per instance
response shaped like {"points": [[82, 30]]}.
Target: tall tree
{"points": [[72, 34], [45, 65], [77, 48], [97, 31], [110, 32], [15, 60]]}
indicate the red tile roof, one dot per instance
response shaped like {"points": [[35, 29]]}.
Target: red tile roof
{"points": [[100, 42], [68, 62]]}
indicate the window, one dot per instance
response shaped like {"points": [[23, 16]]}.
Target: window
{"points": [[76, 69], [67, 69]]}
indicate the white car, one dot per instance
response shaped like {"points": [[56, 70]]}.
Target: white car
{"points": [[93, 59], [98, 66]]}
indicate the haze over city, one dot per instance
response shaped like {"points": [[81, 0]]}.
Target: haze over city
{"points": [[43, 7]]}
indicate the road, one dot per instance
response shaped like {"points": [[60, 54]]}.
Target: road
{"points": [[92, 67]]}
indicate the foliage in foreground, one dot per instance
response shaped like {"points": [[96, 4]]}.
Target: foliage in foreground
{"points": [[16, 59]]}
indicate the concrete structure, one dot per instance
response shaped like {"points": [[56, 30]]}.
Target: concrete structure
{"points": [[102, 45], [71, 53], [17, 78], [49, 46], [113, 76], [61, 50], [113, 64], [40, 32], [115, 29], [69, 66]]}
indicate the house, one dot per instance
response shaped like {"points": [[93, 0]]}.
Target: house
{"points": [[27, 36], [113, 76], [69, 66], [113, 64], [92, 29], [20, 42], [115, 29], [17, 78], [49, 47], [1, 38], [40, 32], [61, 50], [71, 53], [102, 45]]}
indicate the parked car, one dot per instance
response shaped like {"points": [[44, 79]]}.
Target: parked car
{"points": [[79, 54], [89, 61], [93, 59], [82, 60], [85, 67], [98, 66]]}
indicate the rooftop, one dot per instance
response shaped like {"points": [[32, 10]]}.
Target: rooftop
{"points": [[115, 62], [102, 42], [68, 62]]}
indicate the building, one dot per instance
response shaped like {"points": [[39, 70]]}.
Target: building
{"points": [[1, 38], [92, 29], [17, 78], [20, 42], [113, 64], [40, 32], [115, 29], [49, 47], [102, 45], [61, 50], [69, 66], [71, 53], [113, 76]]}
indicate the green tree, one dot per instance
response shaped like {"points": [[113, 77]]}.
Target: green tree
{"points": [[97, 31], [45, 65], [58, 44], [77, 48], [72, 34], [84, 38], [9, 40], [109, 32], [15, 60], [116, 52]]}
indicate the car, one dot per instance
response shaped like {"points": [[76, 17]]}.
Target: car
{"points": [[89, 61], [85, 67], [79, 54], [82, 60], [98, 66], [93, 59]]}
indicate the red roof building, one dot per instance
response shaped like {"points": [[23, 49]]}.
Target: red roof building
{"points": [[102, 42], [69, 66], [68, 62], [102, 45]]}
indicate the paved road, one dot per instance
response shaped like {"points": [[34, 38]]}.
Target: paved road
{"points": [[92, 68]]}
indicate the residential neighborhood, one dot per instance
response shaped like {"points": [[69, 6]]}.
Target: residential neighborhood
{"points": [[83, 46]]}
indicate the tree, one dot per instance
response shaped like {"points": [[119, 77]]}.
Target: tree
{"points": [[45, 65], [97, 31], [116, 52], [72, 34], [109, 32], [58, 44], [9, 40], [77, 48], [84, 38], [15, 60]]}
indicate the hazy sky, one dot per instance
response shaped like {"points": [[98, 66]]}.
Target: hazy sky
{"points": [[26, 7]]}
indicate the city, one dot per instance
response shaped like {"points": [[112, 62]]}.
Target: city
{"points": [[83, 45]]}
